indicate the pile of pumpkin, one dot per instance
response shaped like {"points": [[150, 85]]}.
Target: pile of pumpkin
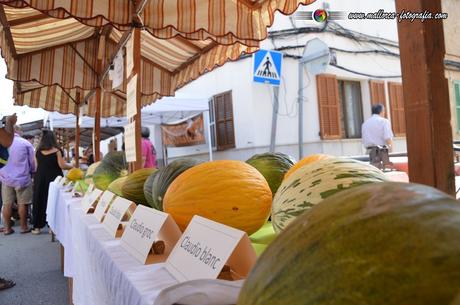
{"points": [[345, 234], [238, 194]]}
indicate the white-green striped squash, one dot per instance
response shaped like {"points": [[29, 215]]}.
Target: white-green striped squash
{"points": [[314, 182]]}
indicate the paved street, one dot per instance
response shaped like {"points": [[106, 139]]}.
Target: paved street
{"points": [[33, 262]]}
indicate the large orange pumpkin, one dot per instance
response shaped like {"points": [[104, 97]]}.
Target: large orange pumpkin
{"points": [[230, 192], [307, 160]]}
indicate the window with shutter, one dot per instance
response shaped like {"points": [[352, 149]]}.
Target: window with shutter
{"points": [[377, 90], [328, 106], [398, 120], [351, 108], [457, 103], [223, 121]]}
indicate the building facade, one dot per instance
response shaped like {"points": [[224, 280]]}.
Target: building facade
{"points": [[364, 70]]}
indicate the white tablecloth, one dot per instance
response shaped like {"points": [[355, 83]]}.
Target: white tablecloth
{"points": [[105, 274]]}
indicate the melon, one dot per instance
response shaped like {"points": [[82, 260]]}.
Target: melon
{"points": [[382, 244], [166, 176], [273, 166], [229, 192], [148, 186], [90, 171], [314, 182], [112, 166], [307, 160], [115, 186], [75, 174], [133, 187]]}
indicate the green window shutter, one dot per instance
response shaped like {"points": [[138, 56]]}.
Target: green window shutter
{"points": [[457, 103]]}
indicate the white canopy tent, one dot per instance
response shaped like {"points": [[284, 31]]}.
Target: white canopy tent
{"points": [[168, 110]]}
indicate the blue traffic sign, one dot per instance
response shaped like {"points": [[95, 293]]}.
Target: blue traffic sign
{"points": [[267, 67]]}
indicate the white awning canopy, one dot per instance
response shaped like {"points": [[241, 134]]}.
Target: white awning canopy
{"points": [[168, 110]]}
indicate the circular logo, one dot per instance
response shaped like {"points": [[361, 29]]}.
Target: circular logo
{"points": [[320, 15]]}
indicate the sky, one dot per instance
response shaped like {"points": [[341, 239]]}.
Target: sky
{"points": [[24, 113]]}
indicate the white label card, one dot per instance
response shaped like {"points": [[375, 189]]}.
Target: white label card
{"points": [[70, 187], [62, 181], [129, 55], [103, 205], [117, 74], [75, 187], [130, 142], [205, 247], [145, 227], [131, 105], [115, 214], [90, 199]]}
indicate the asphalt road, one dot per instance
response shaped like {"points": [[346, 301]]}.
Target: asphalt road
{"points": [[33, 262]]}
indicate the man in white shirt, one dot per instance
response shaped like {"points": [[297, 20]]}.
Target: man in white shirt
{"points": [[376, 131]]}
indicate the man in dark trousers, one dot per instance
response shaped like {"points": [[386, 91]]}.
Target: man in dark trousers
{"points": [[6, 138]]}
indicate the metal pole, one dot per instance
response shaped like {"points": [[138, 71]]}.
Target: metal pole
{"points": [[300, 109], [208, 131], [274, 118]]}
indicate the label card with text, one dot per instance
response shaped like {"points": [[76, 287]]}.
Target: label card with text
{"points": [[90, 199], [145, 227], [103, 205], [61, 181], [115, 214], [131, 95], [129, 55], [70, 186], [205, 247], [90, 188], [130, 142]]}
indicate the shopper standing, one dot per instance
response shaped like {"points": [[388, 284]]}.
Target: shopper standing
{"points": [[149, 158], [50, 163], [16, 177], [6, 138]]}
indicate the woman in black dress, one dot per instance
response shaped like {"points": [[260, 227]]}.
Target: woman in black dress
{"points": [[50, 164]]}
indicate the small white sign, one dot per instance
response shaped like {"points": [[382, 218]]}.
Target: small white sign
{"points": [[103, 205], [116, 75], [129, 55], [113, 218], [75, 188], [90, 188], [131, 97], [205, 247], [62, 181], [130, 142], [145, 227], [90, 199], [70, 187]]}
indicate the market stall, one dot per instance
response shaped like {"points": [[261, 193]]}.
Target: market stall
{"points": [[168, 110]]}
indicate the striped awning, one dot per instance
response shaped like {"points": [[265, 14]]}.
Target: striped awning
{"points": [[51, 48], [224, 21]]}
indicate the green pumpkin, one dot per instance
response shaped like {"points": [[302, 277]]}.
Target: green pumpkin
{"points": [[112, 166], [166, 176], [272, 166], [148, 185], [133, 187], [115, 186], [377, 244]]}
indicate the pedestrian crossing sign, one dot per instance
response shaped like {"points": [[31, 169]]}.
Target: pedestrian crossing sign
{"points": [[267, 67]]}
